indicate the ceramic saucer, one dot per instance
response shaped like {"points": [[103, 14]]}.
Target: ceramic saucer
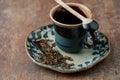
{"points": [[85, 59]]}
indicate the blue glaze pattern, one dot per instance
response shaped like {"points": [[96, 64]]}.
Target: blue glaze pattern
{"points": [[47, 32]]}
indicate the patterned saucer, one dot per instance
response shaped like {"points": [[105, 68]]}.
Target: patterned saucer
{"points": [[85, 59]]}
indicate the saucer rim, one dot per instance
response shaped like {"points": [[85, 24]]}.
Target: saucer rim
{"points": [[66, 71]]}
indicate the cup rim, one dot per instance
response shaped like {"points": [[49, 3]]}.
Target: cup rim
{"points": [[84, 8]]}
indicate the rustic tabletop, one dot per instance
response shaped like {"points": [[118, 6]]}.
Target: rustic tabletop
{"points": [[19, 17]]}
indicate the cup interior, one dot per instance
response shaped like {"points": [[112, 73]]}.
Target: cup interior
{"points": [[60, 16]]}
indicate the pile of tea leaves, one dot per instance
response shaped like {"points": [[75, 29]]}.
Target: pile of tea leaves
{"points": [[51, 56]]}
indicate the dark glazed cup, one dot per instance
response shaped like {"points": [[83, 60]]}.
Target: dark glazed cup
{"points": [[69, 32]]}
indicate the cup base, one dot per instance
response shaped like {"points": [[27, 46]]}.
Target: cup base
{"points": [[68, 49]]}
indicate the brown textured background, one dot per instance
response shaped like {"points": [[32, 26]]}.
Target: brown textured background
{"points": [[19, 17]]}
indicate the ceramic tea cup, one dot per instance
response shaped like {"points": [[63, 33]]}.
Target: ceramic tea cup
{"points": [[69, 32]]}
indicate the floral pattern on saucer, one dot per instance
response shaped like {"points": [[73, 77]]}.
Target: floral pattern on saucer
{"points": [[85, 59]]}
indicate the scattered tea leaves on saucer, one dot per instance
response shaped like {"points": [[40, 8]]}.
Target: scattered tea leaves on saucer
{"points": [[51, 56]]}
